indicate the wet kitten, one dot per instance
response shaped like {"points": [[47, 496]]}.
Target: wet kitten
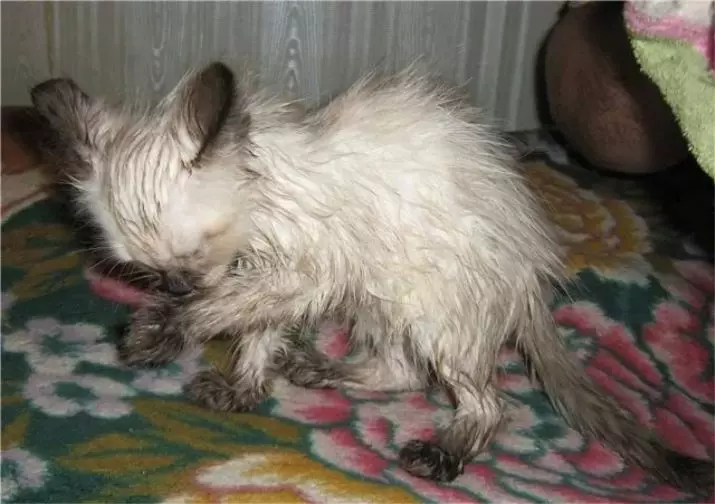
{"points": [[391, 207]]}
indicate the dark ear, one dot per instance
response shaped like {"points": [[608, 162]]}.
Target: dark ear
{"points": [[204, 104], [64, 106]]}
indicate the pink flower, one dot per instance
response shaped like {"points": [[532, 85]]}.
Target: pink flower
{"points": [[596, 460], [545, 492], [633, 479], [630, 375], [555, 462], [443, 493], [340, 446], [311, 406], [588, 319], [675, 340], [368, 446], [514, 466], [678, 434], [627, 398], [616, 364], [375, 430], [332, 340], [477, 479], [694, 416]]}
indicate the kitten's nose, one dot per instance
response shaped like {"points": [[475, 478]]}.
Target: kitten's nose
{"points": [[178, 283]]}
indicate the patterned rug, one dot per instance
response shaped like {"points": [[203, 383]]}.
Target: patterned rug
{"points": [[77, 426]]}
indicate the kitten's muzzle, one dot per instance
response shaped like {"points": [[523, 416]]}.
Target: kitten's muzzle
{"points": [[177, 283]]}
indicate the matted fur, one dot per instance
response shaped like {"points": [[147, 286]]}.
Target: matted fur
{"points": [[393, 207]]}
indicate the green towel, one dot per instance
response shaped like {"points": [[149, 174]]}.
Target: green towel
{"points": [[674, 46]]}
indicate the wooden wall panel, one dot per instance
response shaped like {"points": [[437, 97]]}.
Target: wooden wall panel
{"points": [[306, 50], [25, 49]]}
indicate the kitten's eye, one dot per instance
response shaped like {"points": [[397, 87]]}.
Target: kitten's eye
{"points": [[239, 263]]}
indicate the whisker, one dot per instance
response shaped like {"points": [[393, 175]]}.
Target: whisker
{"points": [[100, 263], [112, 269], [84, 250]]}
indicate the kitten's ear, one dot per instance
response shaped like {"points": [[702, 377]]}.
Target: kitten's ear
{"points": [[202, 105], [65, 107]]}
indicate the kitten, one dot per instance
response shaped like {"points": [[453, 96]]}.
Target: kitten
{"points": [[391, 207]]}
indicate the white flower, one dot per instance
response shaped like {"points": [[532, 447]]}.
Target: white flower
{"points": [[21, 470], [169, 379], [56, 349], [66, 396]]}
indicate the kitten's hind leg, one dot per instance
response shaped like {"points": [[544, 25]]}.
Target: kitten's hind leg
{"points": [[476, 421], [478, 416], [305, 366]]}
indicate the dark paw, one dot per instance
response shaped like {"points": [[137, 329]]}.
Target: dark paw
{"points": [[214, 391], [151, 339], [305, 367], [429, 461]]}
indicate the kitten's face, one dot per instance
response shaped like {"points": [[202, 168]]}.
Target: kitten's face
{"points": [[154, 182]]}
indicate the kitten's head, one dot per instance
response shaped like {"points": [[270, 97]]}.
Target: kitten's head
{"points": [[160, 185]]}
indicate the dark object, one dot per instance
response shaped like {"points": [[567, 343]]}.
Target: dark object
{"points": [[177, 283], [686, 195], [427, 460], [605, 107]]}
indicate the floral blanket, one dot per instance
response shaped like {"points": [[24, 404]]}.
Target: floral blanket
{"points": [[77, 426]]}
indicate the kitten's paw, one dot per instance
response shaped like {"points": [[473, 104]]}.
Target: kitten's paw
{"points": [[216, 392], [429, 461], [305, 367], [150, 340]]}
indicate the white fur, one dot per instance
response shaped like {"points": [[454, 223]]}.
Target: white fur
{"points": [[388, 192]]}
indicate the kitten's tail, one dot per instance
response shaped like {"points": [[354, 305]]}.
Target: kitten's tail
{"points": [[594, 414]]}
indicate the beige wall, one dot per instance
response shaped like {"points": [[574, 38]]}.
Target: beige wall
{"points": [[305, 49]]}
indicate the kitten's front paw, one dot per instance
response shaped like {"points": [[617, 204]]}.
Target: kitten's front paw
{"points": [[151, 339], [430, 461], [216, 392]]}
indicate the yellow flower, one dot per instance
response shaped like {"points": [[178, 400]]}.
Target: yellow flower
{"points": [[273, 469], [282, 476], [600, 232]]}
